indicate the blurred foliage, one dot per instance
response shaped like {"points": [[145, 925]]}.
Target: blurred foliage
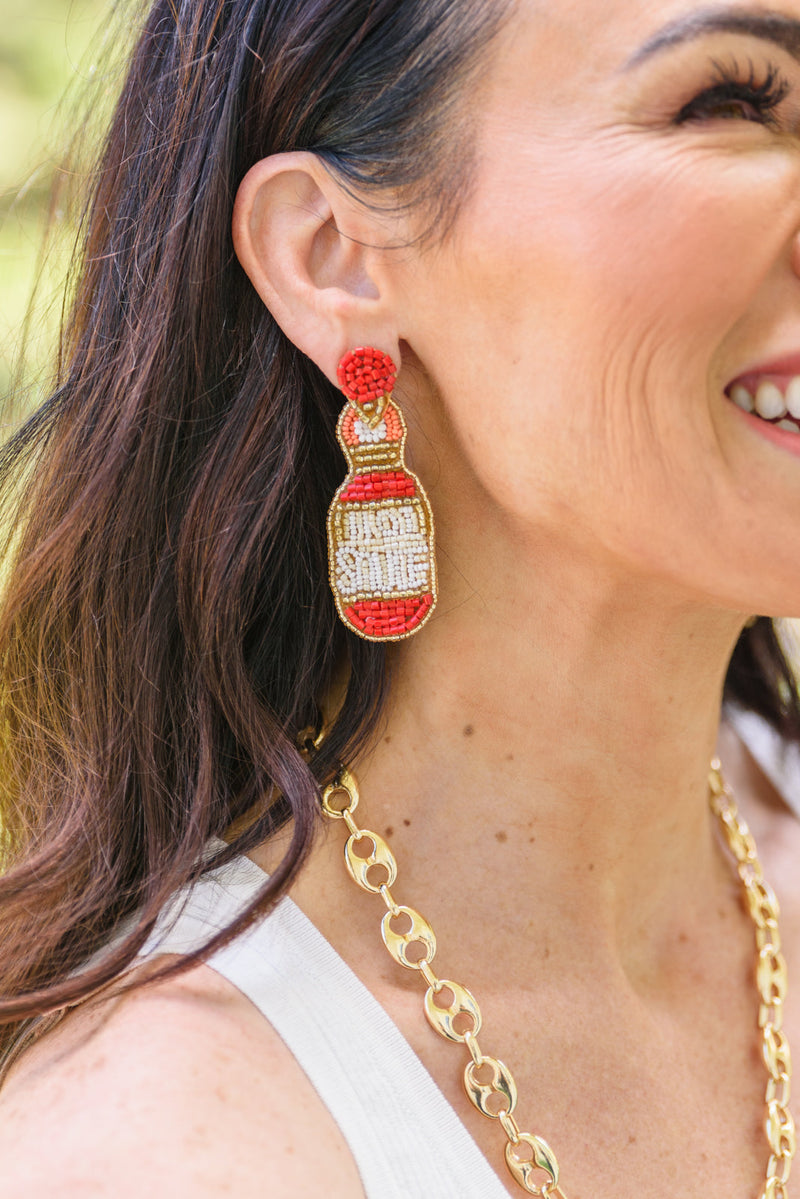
{"points": [[46, 71]]}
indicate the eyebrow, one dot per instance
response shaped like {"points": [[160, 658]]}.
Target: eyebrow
{"points": [[772, 27]]}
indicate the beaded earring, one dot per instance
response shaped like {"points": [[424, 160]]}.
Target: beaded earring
{"points": [[380, 526]]}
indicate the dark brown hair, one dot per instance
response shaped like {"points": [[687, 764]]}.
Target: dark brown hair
{"points": [[167, 627]]}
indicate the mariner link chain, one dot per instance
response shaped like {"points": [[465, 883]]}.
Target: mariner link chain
{"points": [[453, 1012]]}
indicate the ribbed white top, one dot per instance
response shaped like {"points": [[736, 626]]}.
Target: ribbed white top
{"points": [[406, 1140]]}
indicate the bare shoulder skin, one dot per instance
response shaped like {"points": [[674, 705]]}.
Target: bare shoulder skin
{"points": [[181, 1089]]}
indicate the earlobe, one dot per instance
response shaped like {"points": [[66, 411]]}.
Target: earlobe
{"points": [[303, 242]]}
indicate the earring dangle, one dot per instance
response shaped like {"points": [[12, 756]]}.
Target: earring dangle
{"points": [[380, 525]]}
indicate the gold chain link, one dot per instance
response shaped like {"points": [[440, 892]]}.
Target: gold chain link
{"points": [[772, 981], [453, 1012]]}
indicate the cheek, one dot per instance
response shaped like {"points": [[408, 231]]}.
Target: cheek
{"points": [[581, 309], [688, 246], [626, 227]]}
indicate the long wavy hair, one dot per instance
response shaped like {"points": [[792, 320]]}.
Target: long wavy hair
{"points": [[167, 628]]}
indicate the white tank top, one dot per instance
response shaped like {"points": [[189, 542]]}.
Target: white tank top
{"points": [[405, 1138]]}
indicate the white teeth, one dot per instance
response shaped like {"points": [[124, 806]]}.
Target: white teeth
{"points": [[789, 425], [769, 401], [742, 398], [793, 396]]}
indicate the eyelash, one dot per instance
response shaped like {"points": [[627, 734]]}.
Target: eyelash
{"points": [[732, 87]]}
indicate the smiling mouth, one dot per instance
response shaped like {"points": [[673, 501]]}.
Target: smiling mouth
{"points": [[776, 400]]}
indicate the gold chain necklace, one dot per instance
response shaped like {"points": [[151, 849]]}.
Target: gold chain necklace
{"points": [[452, 1011]]}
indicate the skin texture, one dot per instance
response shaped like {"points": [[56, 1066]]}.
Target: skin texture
{"points": [[158, 1093], [606, 522]]}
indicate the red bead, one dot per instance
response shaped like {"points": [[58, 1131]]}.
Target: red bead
{"points": [[366, 374], [355, 619], [390, 618], [379, 485]]}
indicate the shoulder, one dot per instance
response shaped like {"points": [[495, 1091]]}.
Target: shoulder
{"points": [[180, 1087]]}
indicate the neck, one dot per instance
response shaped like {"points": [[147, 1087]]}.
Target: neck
{"points": [[549, 736]]}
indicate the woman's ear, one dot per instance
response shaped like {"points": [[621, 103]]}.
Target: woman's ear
{"points": [[314, 255]]}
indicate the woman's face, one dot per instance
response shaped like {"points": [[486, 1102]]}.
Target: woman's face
{"points": [[629, 255]]}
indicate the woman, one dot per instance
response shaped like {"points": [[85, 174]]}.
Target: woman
{"points": [[575, 229]]}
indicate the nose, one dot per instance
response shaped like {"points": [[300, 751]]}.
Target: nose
{"points": [[796, 253]]}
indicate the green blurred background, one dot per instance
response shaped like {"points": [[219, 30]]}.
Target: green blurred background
{"points": [[46, 68]]}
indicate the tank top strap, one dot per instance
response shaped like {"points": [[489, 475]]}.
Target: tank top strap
{"points": [[406, 1139], [779, 759]]}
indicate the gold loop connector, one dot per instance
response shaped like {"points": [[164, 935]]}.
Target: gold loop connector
{"points": [[430, 977], [510, 1127], [389, 900], [344, 783], [352, 827], [471, 1042]]}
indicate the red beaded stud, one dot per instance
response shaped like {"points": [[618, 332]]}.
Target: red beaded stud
{"points": [[366, 374]]}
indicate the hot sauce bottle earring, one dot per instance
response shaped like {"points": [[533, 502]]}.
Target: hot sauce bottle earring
{"points": [[380, 526]]}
